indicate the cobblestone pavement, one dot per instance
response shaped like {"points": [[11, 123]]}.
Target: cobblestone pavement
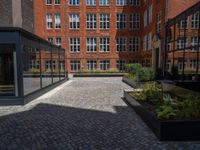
{"points": [[83, 113]]}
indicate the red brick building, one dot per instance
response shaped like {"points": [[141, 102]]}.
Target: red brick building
{"points": [[106, 34]]}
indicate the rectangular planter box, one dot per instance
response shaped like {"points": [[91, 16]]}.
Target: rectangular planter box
{"points": [[174, 130], [99, 75], [132, 83]]}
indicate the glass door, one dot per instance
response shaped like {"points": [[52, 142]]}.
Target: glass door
{"points": [[7, 81]]}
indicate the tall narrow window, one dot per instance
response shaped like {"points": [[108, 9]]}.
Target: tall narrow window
{"points": [[150, 41], [57, 21], [104, 20], [104, 44], [58, 41], [50, 40], [91, 21], [49, 21], [104, 2], [158, 22], [74, 2], [145, 18], [145, 43], [150, 14], [121, 21], [134, 21], [121, 2], [90, 2], [181, 43], [121, 44], [195, 20], [183, 24], [74, 21], [194, 42], [120, 65], [91, 44], [134, 44], [74, 44]]}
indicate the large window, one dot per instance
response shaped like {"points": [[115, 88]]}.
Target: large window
{"points": [[135, 2], [49, 21], [121, 44], [134, 21], [134, 44], [183, 24], [195, 20], [92, 64], [74, 2], [150, 14], [104, 65], [104, 44], [90, 2], [194, 42], [74, 21], [57, 21], [121, 2], [104, 20], [104, 2], [50, 40], [75, 65], [74, 44], [181, 43], [120, 65], [91, 21], [121, 21], [91, 44]]}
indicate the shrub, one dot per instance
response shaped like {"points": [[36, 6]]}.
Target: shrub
{"points": [[166, 112], [132, 76], [152, 92], [146, 74], [132, 68], [138, 95], [190, 107]]}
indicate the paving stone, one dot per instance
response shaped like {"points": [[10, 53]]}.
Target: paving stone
{"points": [[84, 113]]}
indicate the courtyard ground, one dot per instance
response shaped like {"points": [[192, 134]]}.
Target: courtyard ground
{"points": [[83, 113]]}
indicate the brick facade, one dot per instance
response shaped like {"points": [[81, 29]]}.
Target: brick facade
{"points": [[152, 56]]}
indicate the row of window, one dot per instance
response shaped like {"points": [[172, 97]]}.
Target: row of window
{"points": [[75, 65], [91, 21], [194, 22], [93, 2], [122, 43]]}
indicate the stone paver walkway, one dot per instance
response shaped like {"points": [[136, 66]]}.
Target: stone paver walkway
{"points": [[83, 113]]}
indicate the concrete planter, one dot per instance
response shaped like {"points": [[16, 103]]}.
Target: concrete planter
{"points": [[171, 130]]}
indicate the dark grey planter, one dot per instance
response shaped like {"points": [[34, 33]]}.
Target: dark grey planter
{"points": [[172, 130], [132, 83]]}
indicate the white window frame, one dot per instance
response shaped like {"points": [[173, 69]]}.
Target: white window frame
{"points": [[75, 65], [120, 65], [150, 14], [49, 2], [145, 43], [49, 21], [121, 2], [181, 43], [184, 23], [74, 21], [104, 21], [134, 21], [74, 43], [134, 44], [149, 41], [57, 2], [104, 2], [57, 21], [91, 21], [50, 40], [90, 2], [104, 44], [158, 22], [91, 43], [194, 42], [104, 65], [92, 65], [58, 41], [195, 21], [121, 43], [74, 2], [121, 21]]}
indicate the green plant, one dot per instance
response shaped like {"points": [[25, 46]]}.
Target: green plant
{"points": [[190, 107], [132, 68], [152, 92], [166, 112], [138, 95], [132, 76], [146, 74]]}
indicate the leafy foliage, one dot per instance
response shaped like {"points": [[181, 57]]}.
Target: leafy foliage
{"points": [[152, 92], [166, 112], [146, 74], [138, 95], [132, 68]]}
